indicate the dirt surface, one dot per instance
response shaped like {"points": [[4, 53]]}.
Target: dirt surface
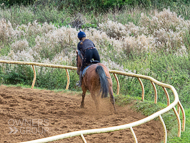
{"points": [[28, 114]]}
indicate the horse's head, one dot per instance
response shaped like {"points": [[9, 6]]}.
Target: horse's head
{"points": [[79, 61]]}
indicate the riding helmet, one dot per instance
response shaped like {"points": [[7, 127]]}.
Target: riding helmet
{"points": [[81, 34]]}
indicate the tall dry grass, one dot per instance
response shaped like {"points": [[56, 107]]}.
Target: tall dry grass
{"points": [[48, 44]]}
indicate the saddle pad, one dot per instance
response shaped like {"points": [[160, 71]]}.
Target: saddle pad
{"points": [[84, 71]]}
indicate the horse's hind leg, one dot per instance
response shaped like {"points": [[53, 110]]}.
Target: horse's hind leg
{"points": [[83, 96], [94, 97], [112, 99]]}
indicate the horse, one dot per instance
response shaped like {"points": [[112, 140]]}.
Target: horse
{"points": [[97, 80]]}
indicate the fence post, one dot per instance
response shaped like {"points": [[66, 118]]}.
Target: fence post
{"points": [[34, 79], [68, 79], [142, 86]]}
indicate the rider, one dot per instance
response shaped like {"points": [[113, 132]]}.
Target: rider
{"points": [[89, 53]]}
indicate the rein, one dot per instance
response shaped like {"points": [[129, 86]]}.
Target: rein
{"points": [[80, 55]]}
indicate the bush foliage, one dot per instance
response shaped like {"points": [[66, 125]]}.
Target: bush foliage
{"points": [[10, 3], [95, 5]]}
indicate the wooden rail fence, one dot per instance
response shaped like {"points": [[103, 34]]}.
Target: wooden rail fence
{"points": [[121, 127]]}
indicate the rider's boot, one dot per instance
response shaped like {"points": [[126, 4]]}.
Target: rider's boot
{"points": [[80, 80]]}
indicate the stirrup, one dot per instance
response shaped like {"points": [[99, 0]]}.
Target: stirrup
{"points": [[78, 84]]}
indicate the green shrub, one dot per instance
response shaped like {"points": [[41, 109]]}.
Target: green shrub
{"points": [[17, 2]]}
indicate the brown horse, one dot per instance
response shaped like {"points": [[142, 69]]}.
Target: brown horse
{"points": [[97, 80]]}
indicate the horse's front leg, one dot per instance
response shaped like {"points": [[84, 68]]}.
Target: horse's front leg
{"points": [[83, 96]]}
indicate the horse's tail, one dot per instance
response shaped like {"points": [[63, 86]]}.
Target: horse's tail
{"points": [[103, 81]]}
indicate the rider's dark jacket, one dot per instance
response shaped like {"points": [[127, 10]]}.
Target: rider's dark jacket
{"points": [[83, 45], [88, 51]]}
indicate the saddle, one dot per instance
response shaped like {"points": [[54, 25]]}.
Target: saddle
{"points": [[91, 63], [94, 61]]}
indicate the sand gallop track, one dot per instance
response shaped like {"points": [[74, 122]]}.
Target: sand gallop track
{"points": [[28, 114]]}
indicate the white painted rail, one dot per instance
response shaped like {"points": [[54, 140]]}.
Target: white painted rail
{"points": [[121, 127]]}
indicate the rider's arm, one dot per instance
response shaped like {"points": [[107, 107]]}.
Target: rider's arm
{"points": [[79, 47]]}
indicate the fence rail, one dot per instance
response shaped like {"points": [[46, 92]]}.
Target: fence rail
{"points": [[121, 127]]}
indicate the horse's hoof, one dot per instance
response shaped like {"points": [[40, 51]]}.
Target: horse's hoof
{"points": [[115, 112], [81, 106]]}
